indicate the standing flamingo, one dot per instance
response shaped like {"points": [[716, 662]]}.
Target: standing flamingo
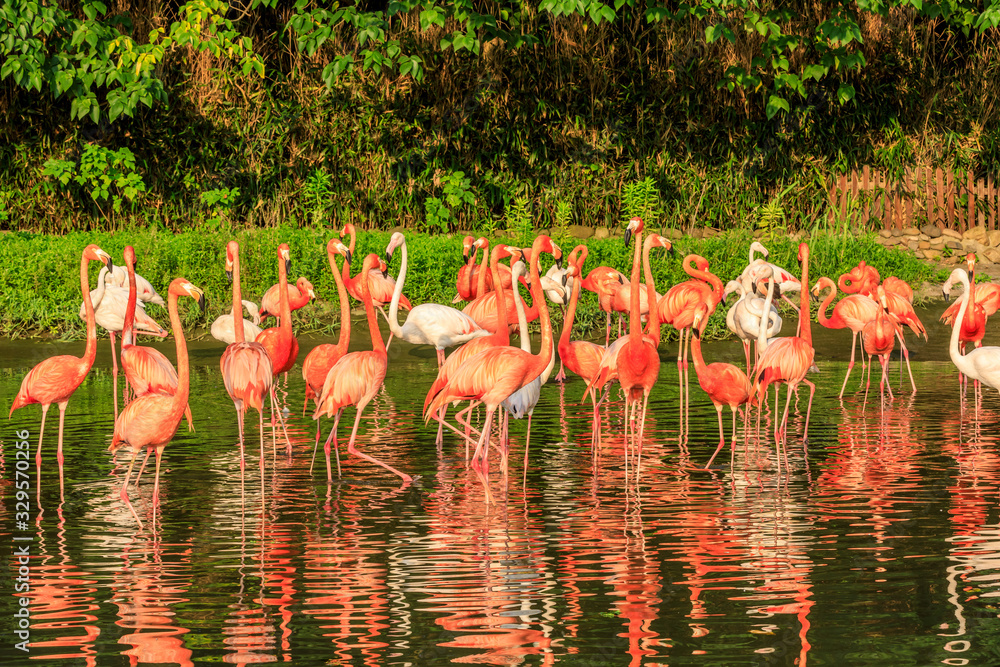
{"points": [[491, 376], [786, 282], [854, 311], [150, 421], [299, 295], [725, 384], [380, 286], [354, 380], [638, 362], [789, 359], [147, 370], [745, 317], [55, 379], [428, 323], [982, 363], [279, 341], [246, 366], [322, 358], [465, 285], [878, 338], [677, 308]]}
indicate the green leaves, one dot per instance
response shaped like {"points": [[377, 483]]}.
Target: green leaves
{"points": [[774, 104]]}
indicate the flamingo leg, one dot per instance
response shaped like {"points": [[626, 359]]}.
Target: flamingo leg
{"points": [[141, 468], [480, 467], [812, 392], [114, 371], [906, 355], [850, 364], [527, 444], [722, 435], [260, 417], [123, 494], [351, 448], [642, 430], [239, 423], [156, 482], [440, 357]]}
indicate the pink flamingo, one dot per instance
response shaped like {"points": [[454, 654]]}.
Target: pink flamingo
{"points": [[323, 357], [605, 282], [354, 380], [789, 359], [878, 337], [150, 421], [299, 295], [638, 361], [147, 370], [281, 345], [491, 376], [246, 366], [380, 286], [725, 384], [854, 311], [55, 379]]}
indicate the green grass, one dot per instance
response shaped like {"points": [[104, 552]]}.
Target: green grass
{"points": [[40, 292]]}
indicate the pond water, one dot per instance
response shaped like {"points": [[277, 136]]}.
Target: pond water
{"points": [[880, 547]]}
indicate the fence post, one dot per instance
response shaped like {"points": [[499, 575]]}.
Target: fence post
{"points": [[970, 187], [865, 174], [909, 194], [991, 201]]}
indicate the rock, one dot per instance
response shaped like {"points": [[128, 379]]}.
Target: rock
{"points": [[977, 233], [938, 242], [928, 254], [912, 245], [983, 262], [951, 261], [672, 233], [953, 245], [933, 231], [581, 231], [970, 245], [697, 234], [896, 232], [921, 245], [911, 231], [883, 233], [710, 232], [992, 254], [603, 233], [951, 233], [923, 237], [993, 238]]}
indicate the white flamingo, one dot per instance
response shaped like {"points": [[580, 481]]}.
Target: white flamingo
{"points": [[786, 281], [223, 328], [143, 288], [982, 363], [746, 316], [429, 323]]}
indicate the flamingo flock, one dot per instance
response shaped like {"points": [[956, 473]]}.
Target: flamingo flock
{"points": [[486, 370]]}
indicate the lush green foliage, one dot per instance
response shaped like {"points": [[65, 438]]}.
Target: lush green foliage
{"points": [[442, 115], [42, 296]]}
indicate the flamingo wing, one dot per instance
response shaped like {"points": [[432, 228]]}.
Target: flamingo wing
{"points": [[353, 380]]}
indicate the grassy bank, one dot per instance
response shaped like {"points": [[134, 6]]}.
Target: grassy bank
{"points": [[40, 292]]}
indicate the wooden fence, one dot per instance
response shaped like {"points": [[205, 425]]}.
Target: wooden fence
{"points": [[935, 196]]}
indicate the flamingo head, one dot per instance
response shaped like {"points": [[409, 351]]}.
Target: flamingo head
{"points": [[657, 241], [348, 229], [821, 285], [395, 241], [635, 226], [285, 253], [543, 243], [305, 287], [732, 287], [882, 299], [181, 287], [232, 252], [757, 246], [382, 266], [482, 243], [501, 251], [466, 248], [573, 271], [94, 254], [129, 255], [578, 256], [803, 253], [337, 247], [970, 262]]}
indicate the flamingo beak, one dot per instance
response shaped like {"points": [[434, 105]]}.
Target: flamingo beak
{"points": [[347, 256], [229, 275], [288, 265], [696, 331], [201, 301], [107, 260], [628, 236], [565, 279]]}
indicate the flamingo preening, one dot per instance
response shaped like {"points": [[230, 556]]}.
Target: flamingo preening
{"points": [[151, 421], [878, 338], [299, 295], [224, 327], [55, 379]]}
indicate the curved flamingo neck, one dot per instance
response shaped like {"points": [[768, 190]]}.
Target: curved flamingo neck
{"points": [[481, 283], [366, 296], [345, 308], [700, 368], [765, 316], [467, 274], [397, 292], [90, 353], [691, 268], [237, 300], [574, 297], [957, 357], [805, 331], [825, 305], [634, 324], [183, 378], [127, 330]]}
